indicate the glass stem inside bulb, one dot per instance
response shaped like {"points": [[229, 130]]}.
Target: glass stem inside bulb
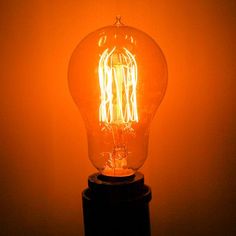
{"points": [[116, 164], [119, 153]]}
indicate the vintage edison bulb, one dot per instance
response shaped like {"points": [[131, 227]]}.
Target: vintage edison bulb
{"points": [[117, 77]]}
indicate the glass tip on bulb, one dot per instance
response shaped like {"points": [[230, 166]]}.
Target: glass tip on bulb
{"points": [[118, 21]]}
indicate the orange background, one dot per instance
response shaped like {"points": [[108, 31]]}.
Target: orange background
{"points": [[44, 164]]}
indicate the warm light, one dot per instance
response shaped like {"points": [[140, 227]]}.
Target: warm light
{"points": [[117, 77], [118, 108], [118, 81]]}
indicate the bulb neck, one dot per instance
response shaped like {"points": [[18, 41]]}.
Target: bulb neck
{"points": [[115, 179]]}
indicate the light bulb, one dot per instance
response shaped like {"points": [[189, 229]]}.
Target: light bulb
{"points": [[117, 77]]}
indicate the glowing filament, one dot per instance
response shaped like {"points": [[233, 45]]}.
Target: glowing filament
{"points": [[118, 81]]}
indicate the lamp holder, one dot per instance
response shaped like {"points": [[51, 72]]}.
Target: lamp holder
{"points": [[116, 206]]}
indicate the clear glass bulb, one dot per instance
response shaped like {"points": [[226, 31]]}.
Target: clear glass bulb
{"points": [[117, 77]]}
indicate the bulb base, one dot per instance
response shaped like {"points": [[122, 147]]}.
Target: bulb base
{"points": [[116, 206]]}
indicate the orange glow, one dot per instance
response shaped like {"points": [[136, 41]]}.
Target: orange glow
{"points": [[44, 153], [118, 81], [118, 77]]}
